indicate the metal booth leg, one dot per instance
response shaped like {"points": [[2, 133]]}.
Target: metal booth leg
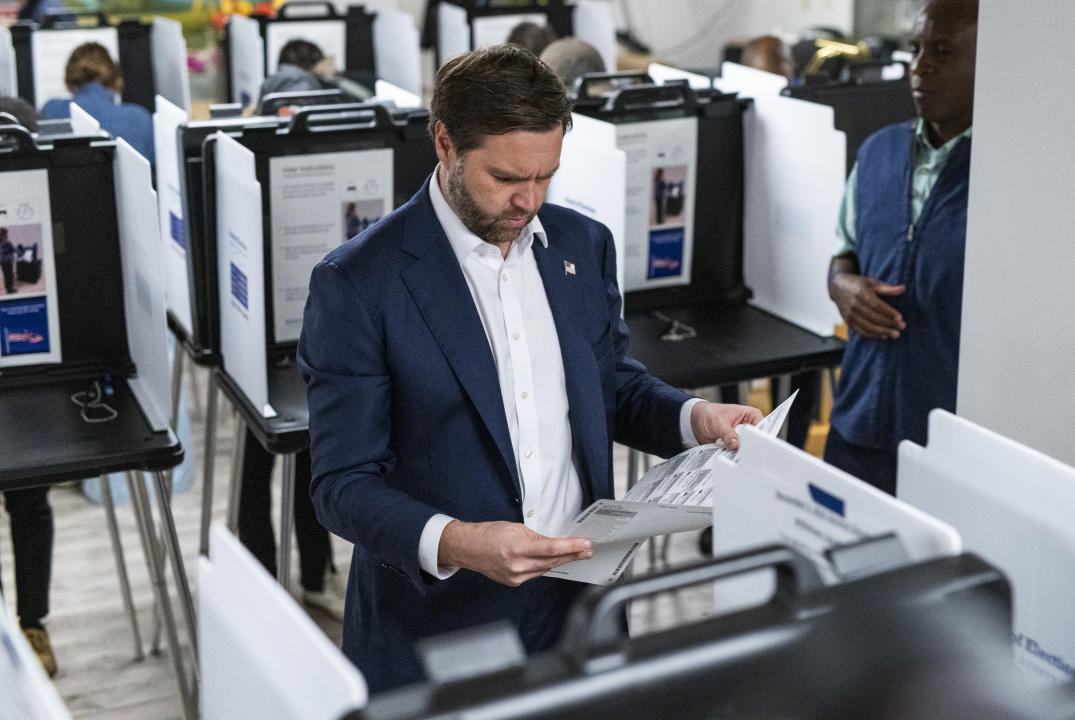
{"points": [[287, 520], [208, 466], [144, 516], [121, 566], [783, 392], [236, 474]]}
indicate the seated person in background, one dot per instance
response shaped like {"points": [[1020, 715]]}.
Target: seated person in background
{"points": [[95, 83], [768, 53], [297, 69], [531, 36], [571, 58]]}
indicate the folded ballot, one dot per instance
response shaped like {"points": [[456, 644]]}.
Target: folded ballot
{"points": [[674, 496]]}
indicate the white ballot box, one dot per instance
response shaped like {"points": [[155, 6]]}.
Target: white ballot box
{"points": [[777, 493], [261, 655], [1013, 506]]}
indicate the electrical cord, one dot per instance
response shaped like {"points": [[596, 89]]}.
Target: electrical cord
{"points": [[676, 330], [92, 409]]}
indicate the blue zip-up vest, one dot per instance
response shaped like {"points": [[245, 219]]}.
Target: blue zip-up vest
{"points": [[888, 387]]}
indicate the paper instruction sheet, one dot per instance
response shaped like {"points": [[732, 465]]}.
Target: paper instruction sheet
{"points": [[319, 201], [674, 496], [662, 164], [29, 300]]}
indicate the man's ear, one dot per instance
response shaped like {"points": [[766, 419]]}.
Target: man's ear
{"points": [[442, 141]]}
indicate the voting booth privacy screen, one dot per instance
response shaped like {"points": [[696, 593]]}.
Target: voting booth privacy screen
{"points": [[684, 193], [64, 303]]}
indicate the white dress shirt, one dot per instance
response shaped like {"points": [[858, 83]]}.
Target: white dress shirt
{"points": [[509, 296]]}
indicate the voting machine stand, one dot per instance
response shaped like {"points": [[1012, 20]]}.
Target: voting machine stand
{"points": [[135, 59], [268, 391], [861, 108], [294, 18], [91, 410]]}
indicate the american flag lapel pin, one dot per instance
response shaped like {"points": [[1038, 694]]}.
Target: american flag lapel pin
{"points": [[569, 268]]}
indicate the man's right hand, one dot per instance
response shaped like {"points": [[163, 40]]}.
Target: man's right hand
{"points": [[506, 552], [859, 300]]}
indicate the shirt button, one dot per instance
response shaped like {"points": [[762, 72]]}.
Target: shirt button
{"points": [[515, 336], [504, 277], [530, 513], [529, 453], [525, 395]]}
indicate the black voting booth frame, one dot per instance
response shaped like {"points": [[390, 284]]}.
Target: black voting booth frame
{"points": [[36, 401], [809, 651], [135, 53], [361, 66], [313, 130]]}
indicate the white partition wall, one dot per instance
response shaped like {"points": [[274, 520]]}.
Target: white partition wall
{"points": [[1013, 507], [794, 174], [143, 284], [1018, 338], [396, 53], [170, 77], [8, 82], [261, 655], [246, 58], [241, 271], [166, 121], [49, 50]]}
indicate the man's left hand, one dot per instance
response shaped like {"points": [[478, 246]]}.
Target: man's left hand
{"points": [[715, 421]]}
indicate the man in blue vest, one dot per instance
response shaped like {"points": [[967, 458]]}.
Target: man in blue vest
{"points": [[897, 275]]}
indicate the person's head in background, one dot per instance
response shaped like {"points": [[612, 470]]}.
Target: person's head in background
{"points": [[944, 43], [90, 62], [301, 53], [768, 53], [497, 118], [531, 36], [22, 111], [571, 58]]}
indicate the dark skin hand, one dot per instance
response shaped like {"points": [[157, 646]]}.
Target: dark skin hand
{"points": [[860, 300]]}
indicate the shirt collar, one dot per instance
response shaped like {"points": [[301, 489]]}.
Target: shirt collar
{"points": [[922, 138], [462, 240]]}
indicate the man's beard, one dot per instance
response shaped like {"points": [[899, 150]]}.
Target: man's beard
{"points": [[485, 226]]}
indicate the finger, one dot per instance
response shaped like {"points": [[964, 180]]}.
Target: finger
{"points": [[557, 547], [881, 315], [869, 329], [885, 289]]}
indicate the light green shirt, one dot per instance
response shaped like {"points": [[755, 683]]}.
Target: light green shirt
{"points": [[928, 164]]}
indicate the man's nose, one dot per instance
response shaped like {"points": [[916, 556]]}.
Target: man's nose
{"points": [[526, 197]]}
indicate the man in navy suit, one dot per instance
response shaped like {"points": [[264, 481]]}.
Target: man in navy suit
{"points": [[467, 372]]}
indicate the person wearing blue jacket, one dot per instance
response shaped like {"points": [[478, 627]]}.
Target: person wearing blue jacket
{"points": [[897, 276], [96, 85]]}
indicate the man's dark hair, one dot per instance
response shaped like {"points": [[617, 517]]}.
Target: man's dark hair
{"points": [[20, 110], [302, 53], [531, 36], [496, 91]]}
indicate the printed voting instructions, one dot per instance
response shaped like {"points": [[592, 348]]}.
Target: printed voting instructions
{"points": [[675, 496]]}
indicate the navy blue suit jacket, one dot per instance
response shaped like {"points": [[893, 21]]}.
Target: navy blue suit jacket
{"points": [[406, 420]]}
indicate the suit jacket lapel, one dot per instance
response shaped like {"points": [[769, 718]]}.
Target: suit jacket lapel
{"points": [[440, 292], [586, 408]]}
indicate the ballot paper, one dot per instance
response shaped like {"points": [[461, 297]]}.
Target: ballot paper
{"points": [[674, 496]]}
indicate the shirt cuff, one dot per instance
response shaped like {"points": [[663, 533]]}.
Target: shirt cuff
{"points": [[685, 431], [429, 546]]}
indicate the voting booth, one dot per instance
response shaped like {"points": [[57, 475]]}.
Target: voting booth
{"points": [[83, 350], [277, 199], [1012, 505], [458, 26], [152, 57], [363, 45]]}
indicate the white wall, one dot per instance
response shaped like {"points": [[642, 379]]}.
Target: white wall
{"points": [[693, 32], [1017, 352]]}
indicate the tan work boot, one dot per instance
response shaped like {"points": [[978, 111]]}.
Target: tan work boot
{"points": [[39, 641]]}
